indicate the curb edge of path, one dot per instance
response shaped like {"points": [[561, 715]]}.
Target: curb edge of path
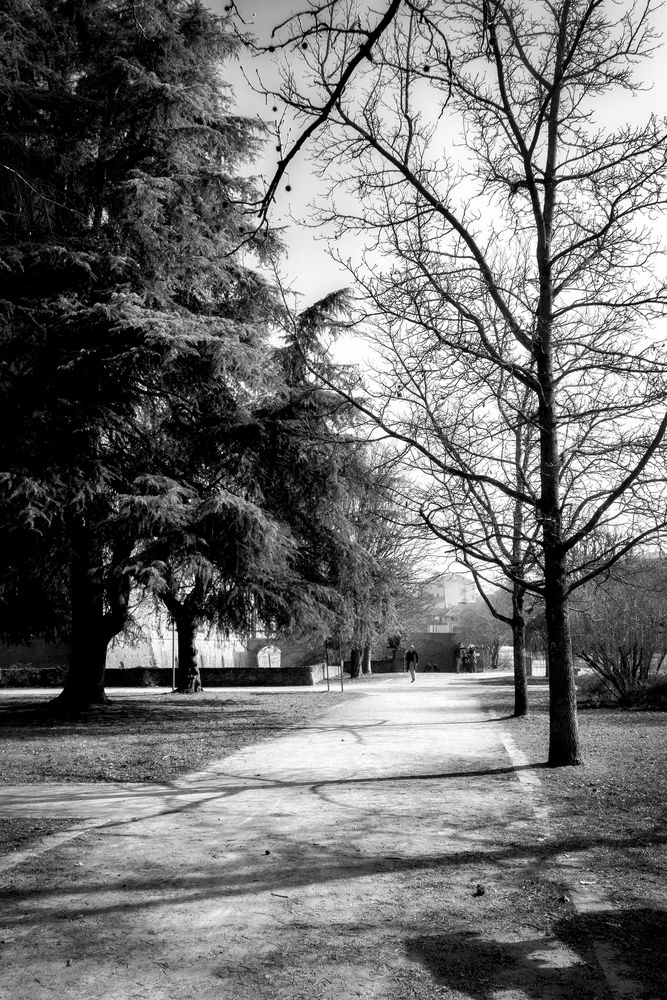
{"points": [[584, 899]]}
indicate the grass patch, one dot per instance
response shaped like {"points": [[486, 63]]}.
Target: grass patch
{"points": [[144, 736], [609, 813]]}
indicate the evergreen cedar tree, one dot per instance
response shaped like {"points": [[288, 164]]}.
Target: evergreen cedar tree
{"points": [[138, 388]]}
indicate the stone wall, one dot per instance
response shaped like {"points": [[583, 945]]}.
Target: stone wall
{"points": [[434, 647], [292, 654], [157, 650], [213, 677], [149, 663], [53, 677]]}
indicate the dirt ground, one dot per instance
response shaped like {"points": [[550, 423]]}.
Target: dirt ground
{"points": [[401, 842]]}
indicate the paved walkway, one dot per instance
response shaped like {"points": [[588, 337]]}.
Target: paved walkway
{"points": [[319, 864]]}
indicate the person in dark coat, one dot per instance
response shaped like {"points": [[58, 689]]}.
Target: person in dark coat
{"points": [[411, 661]]}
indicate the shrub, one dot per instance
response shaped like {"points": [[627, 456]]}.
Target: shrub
{"points": [[655, 695], [594, 692], [619, 627]]}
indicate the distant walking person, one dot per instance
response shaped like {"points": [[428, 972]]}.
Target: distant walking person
{"points": [[411, 661]]}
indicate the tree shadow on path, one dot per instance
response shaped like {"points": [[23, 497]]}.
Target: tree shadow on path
{"points": [[592, 955]]}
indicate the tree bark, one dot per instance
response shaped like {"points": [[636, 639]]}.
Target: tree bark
{"points": [[563, 727], [519, 651], [520, 682], [366, 660], [84, 684], [188, 678], [90, 628]]}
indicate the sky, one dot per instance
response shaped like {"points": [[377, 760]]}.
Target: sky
{"points": [[308, 267]]}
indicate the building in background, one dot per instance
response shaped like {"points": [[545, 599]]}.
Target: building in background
{"points": [[444, 597]]}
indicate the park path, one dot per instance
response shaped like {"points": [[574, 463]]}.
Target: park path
{"points": [[387, 851]]}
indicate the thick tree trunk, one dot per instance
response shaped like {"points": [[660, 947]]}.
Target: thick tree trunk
{"points": [[563, 726], [355, 662], [90, 628], [366, 660], [519, 652], [84, 684], [188, 679], [520, 682]]}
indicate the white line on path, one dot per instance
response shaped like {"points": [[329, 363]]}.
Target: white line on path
{"points": [[586, 900], [48, 843]]}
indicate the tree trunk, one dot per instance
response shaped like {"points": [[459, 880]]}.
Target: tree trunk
{"points": [[563, 729], [563, 726], [519, 652], [355, 662], [366, 660], [188, 679], [84, 684], [520, 682], [90, 635]]}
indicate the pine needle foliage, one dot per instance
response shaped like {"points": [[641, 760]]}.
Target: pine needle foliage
{"points": [[132, 328]]}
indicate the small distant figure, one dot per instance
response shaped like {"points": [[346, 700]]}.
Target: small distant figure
{"points": [[458, 657], [411, 661], [471, 657]]}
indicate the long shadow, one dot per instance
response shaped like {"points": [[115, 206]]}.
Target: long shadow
{"points": [[37, 719], [29, 724], [403, 726], [635, 940], [211, 790], [290, 866], [400, 778]]}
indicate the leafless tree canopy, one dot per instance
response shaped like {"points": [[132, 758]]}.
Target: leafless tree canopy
{"points": [[513, 275]]}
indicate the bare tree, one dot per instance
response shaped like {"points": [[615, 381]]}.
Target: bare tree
{"points": [[527, 256], [495, 537]]}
